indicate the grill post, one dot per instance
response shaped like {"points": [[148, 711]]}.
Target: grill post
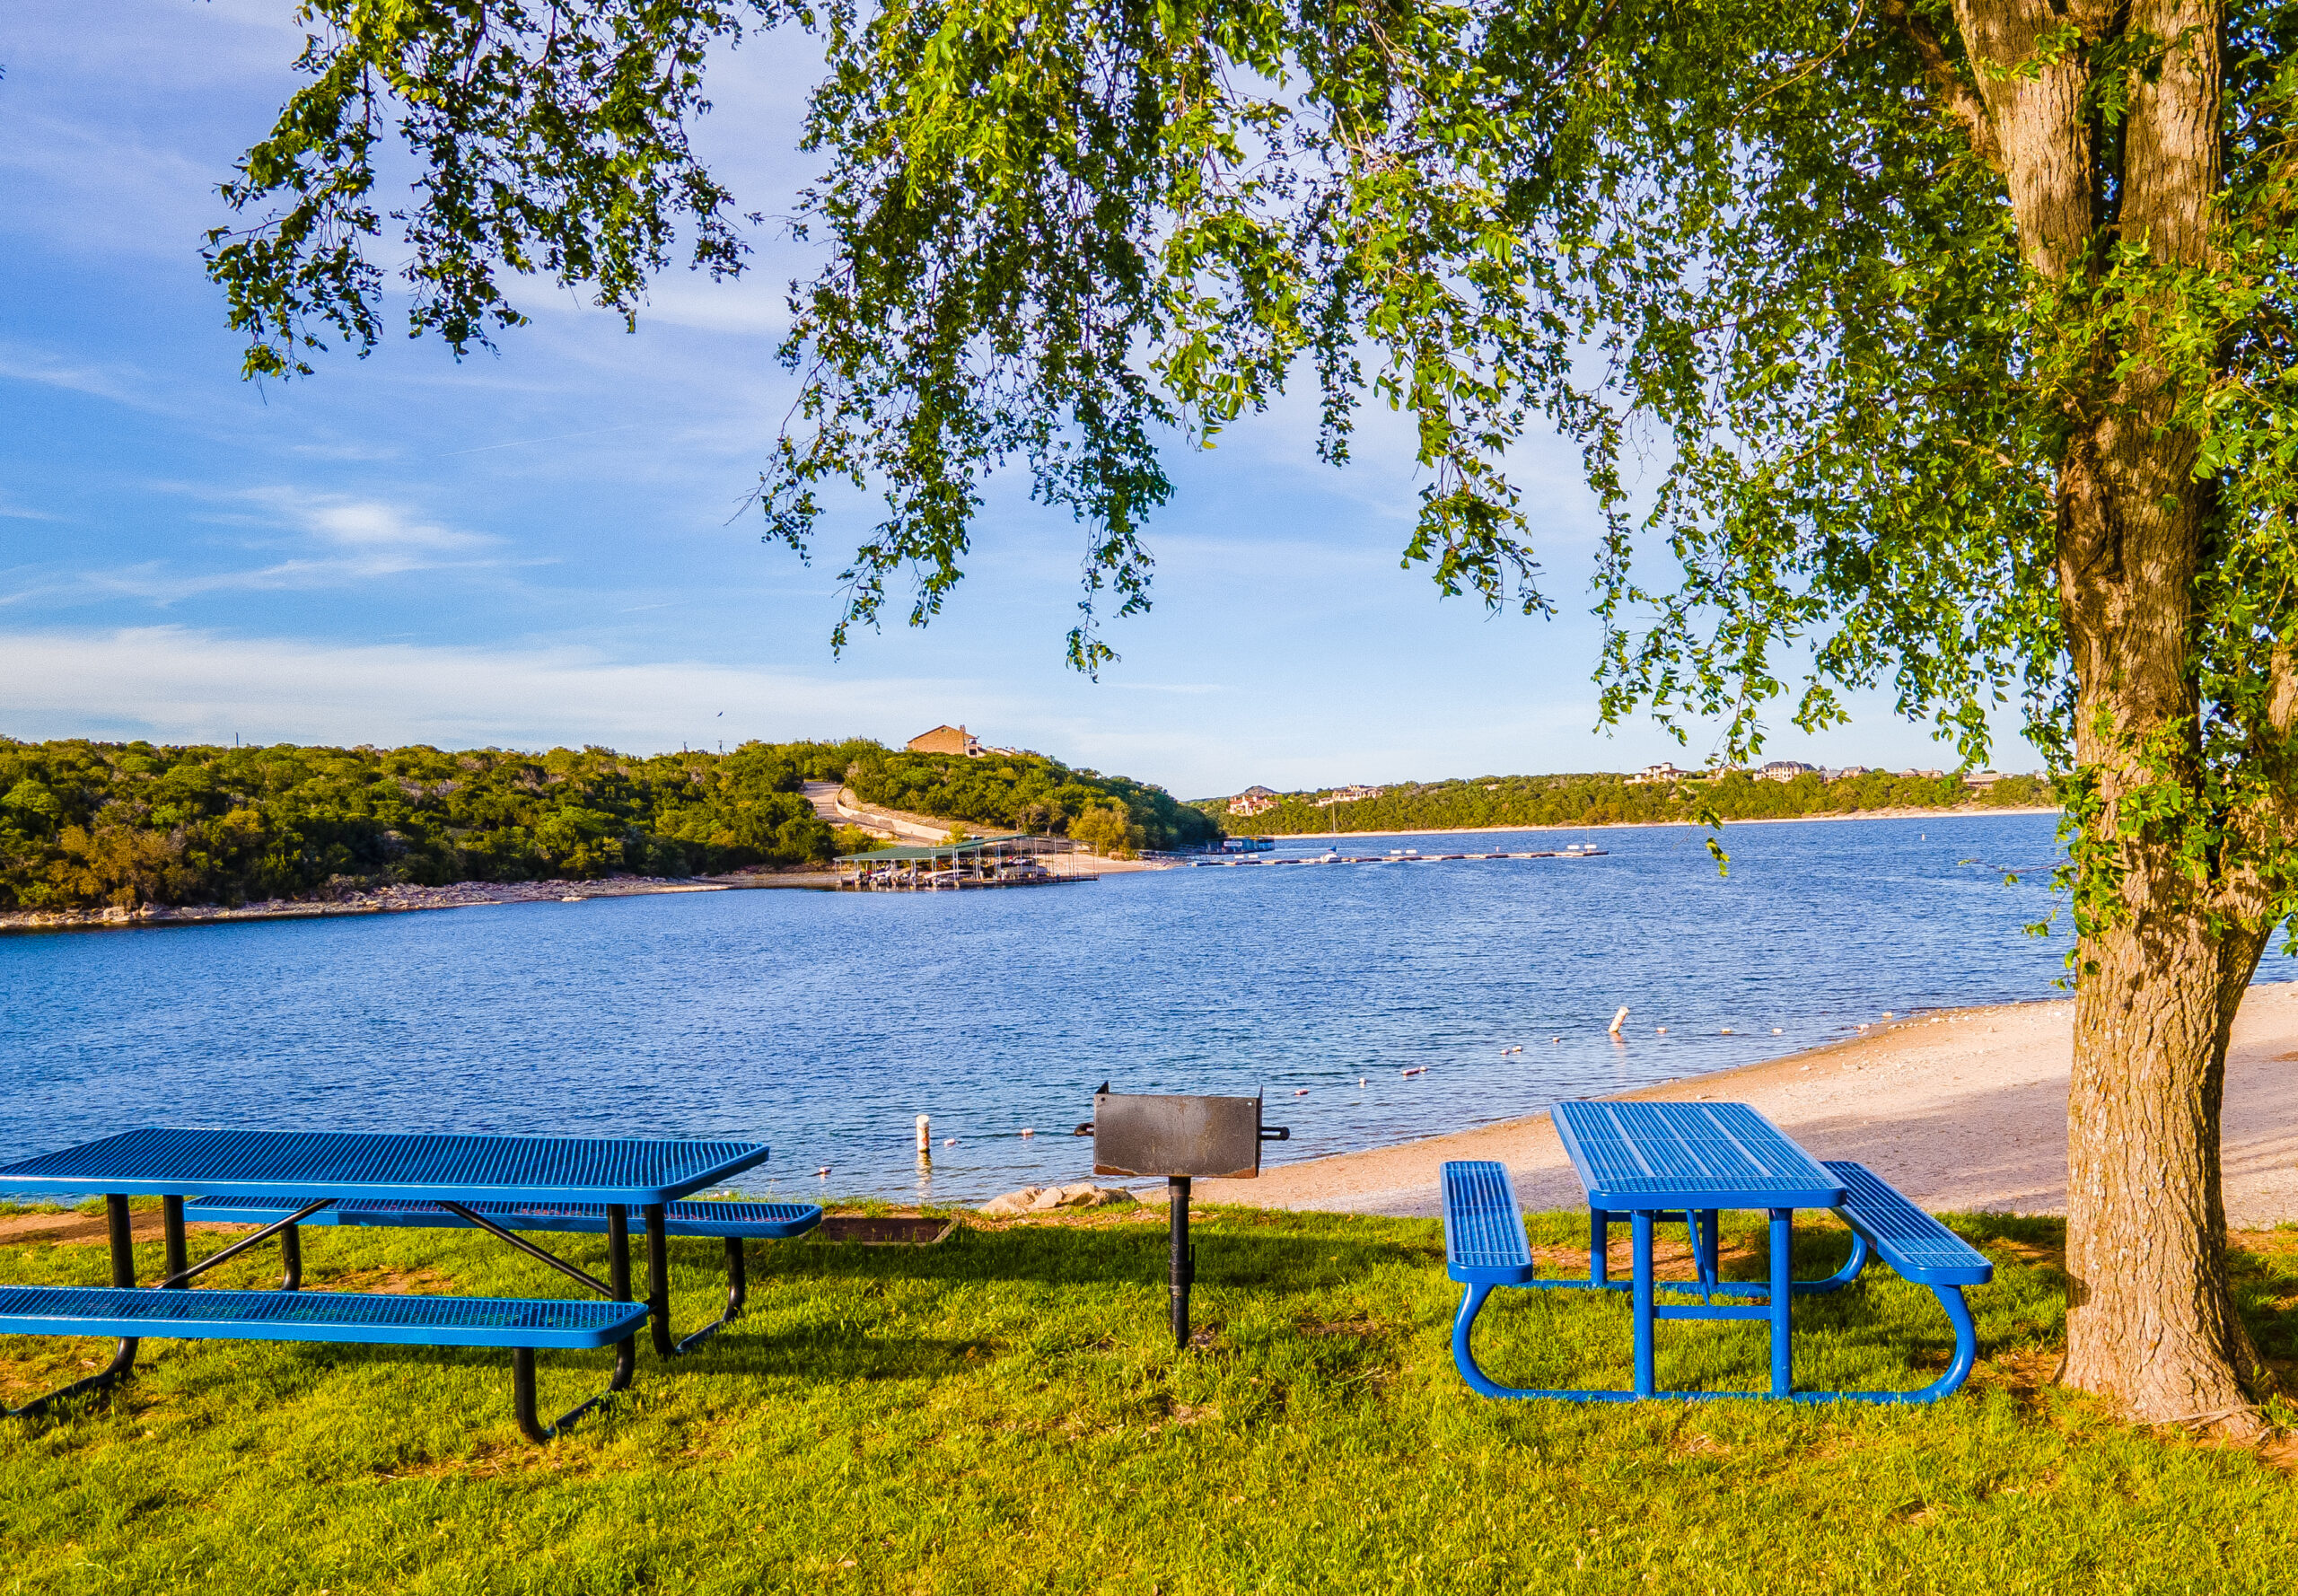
{"points": [[1184, 1263]]}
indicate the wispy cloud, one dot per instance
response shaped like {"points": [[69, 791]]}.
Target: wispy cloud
{"points": [[121, 384], [175, 684], [370, 526], [326, 541]]}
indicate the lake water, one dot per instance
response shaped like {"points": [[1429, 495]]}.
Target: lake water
{"points": [[823, 1024]]}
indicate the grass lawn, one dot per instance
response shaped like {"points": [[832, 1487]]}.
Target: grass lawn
{"points": [[1005, 1412]]}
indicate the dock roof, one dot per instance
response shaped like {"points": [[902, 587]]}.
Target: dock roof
{"points": [[943, 850]]}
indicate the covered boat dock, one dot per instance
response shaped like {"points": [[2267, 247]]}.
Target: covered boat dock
{"points": [[1009, 861]]}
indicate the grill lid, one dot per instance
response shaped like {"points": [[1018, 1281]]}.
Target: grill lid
{"points": [[1143, 1134]]}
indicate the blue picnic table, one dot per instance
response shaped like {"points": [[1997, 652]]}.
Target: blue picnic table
{"points": [[1651, 1163], [288, 1179]]}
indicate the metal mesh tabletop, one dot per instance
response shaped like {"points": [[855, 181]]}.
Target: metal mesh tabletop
{"points": [[312, 1164], [1647, 1156], [752, 1221], [370, 1318]]}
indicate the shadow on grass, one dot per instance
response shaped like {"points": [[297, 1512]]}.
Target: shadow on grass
{"points": [[1057, 1256]]}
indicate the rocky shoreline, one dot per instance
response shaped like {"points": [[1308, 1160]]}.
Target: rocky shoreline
{"points": [[405, 898]]}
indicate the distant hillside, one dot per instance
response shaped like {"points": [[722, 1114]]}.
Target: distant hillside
{"points": [[1030, 792], [88, 825], [1604, 800]]}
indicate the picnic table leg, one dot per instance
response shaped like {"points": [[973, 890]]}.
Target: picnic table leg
{"points": [[658, 1281], [1782, 1298], [1599, 1246], [171, 1232], [626, 1351], [123, 1357], [1640, 1228], [291, 1258]]}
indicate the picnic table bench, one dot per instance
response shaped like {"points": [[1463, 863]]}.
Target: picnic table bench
{"points": [[733, 1222], [1652, 1163], [576, 1181]]}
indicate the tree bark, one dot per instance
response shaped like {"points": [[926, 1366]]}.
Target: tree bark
{"points": [[2150, 1321]]}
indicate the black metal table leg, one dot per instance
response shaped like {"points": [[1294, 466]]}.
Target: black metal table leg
{"points": [[291, 1258], [737, 1293], [123, 1358], [172, 1229], [626, 1351], [658, 1281]]}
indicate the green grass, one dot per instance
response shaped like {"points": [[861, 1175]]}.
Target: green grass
{"points": [[1005, 1413]]}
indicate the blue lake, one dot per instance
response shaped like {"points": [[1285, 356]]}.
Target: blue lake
{"points": [[824, 1023]]}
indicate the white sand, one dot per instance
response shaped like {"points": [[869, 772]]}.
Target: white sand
{"points": [[1960, 1111]]}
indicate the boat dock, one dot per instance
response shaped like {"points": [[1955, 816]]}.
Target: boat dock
{"points": [[1009, 861]]}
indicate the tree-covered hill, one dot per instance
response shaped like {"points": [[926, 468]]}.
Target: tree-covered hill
{"points": [[84, 824], [1603, 799], [1031, 793]]}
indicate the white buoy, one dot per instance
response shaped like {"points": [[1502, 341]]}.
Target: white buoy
{"points": [[948, 1141], [925, 1134], [1659, 1031], [1776, 1031], [1029, 1133], [1620, 1019]]}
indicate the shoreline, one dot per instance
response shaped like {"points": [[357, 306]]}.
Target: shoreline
{"points": [[1962, 1108], [1861, 814], [405, 899], [413, 900]]}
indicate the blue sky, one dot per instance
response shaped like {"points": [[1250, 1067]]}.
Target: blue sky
{"points": [[544, 546]]}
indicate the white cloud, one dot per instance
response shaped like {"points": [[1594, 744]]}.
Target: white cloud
{"points": [[383, 529], [176, 685]]}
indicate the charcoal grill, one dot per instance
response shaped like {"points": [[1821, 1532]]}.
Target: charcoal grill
{"points": [[1180, 1139]]}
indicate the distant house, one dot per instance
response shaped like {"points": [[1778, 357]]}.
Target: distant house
{"points": [[1982, 778], [1784, 770], [1252, 800], [1850, 772], [1923, 774], [1348, 795], [946, 740], [1662, 772]]}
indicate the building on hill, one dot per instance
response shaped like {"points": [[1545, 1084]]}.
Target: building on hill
{"points": [[1664, 771], [1252, 800], [946, 740], [1784, 770], [1348, 795]]}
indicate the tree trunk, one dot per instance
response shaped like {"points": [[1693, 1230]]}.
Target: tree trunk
{"points": [[2150, 1318]]}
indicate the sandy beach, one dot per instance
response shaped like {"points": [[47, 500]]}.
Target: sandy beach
{"points": [[1961, 1108]]}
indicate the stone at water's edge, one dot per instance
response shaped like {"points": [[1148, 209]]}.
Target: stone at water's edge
{"points": [[1042, 1199]]}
